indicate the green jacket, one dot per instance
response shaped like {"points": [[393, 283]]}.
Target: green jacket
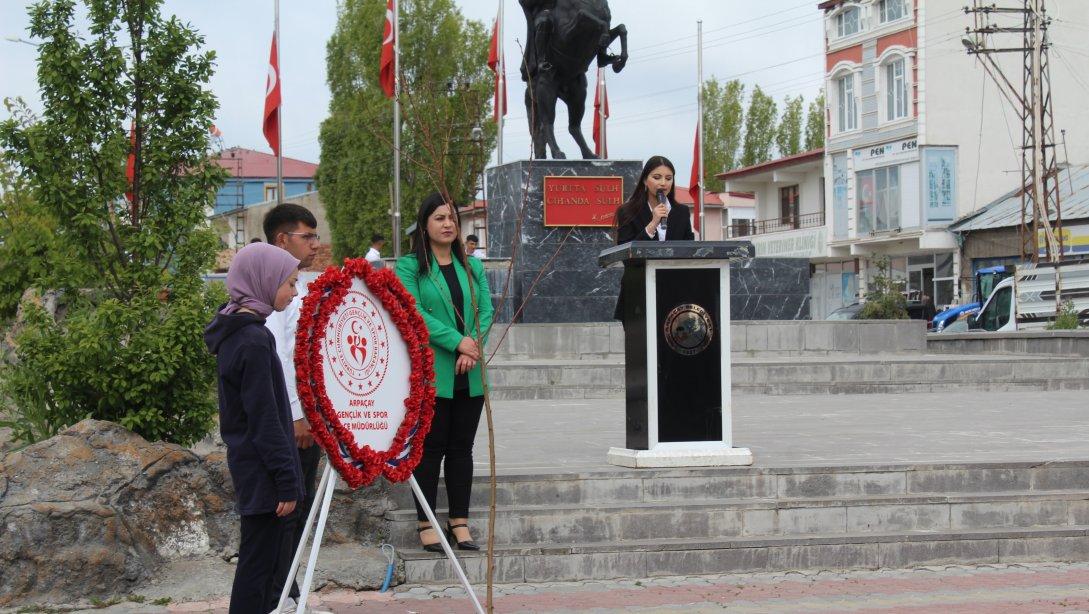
{"points": [[433, 302]]}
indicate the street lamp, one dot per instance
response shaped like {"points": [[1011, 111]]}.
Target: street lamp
{"points": [[16, 39]]}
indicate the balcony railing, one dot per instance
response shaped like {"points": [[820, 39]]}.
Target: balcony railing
{"points": [[745, 228]]}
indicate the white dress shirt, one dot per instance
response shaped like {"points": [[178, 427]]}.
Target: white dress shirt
{"points": [[373, 255], [283, 325]]}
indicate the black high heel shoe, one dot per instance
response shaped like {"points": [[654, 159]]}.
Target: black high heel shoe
{"points": [[465, 545], [435, 547]]}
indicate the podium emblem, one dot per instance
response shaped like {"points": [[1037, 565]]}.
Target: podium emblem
{"points": [[689, 329]]}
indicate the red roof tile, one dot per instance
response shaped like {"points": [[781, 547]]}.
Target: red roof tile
{"points": [[683, 197], [805, 156], [259, 164]]}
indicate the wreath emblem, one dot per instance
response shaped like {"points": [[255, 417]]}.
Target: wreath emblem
{"points": [[343, 328]]}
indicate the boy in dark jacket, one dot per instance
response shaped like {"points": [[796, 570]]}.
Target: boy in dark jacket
{"points": [[255, 417]]}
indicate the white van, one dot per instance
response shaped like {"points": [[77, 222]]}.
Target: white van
{"points": [[1026, 300]]}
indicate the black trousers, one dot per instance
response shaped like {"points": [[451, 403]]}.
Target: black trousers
{"points": [[254, 589], [451, 440], [310, 459]]}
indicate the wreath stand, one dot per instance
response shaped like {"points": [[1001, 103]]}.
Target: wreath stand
{"points": [[359, 464], [325, 489]]}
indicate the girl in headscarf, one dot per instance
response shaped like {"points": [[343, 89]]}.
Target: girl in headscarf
{"points": [[255, 418]]}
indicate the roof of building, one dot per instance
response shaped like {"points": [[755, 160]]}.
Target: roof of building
{"points": [[247, 163], [763, 167], [709, 198], [1006, 210]]}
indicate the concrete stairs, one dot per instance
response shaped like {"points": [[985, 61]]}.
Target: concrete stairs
{"points": [[631, 524], [586, 361]]}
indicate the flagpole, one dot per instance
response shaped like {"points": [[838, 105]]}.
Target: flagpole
{"points": [[501, 98], [699, 120], [601, 111], [396, 131], [279, 118]]}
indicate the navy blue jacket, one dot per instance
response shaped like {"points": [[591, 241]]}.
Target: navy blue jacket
{"points": [[254, 414]]}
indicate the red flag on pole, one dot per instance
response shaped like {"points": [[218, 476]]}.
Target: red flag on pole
{"points": [[386, 77], [495, 62], [130, 165], [271, 125], [695, 180], [601, 113]]}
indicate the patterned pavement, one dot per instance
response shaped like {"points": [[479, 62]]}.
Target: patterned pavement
{"points": [[1044, 587]]}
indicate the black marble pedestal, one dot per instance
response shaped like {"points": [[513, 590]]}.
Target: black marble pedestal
{"points": [[570, 287]]}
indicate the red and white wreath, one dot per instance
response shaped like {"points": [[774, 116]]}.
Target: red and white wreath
{"points": [[344, 333]]}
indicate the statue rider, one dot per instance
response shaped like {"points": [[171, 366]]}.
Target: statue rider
{"points": [[539, 36]]}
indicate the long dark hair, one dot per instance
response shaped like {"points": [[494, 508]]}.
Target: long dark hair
{"points": [[421, 245], [638, 198]]}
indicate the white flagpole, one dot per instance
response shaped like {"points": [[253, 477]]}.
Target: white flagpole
{"points": [[699, 120], [279, 117], [601, 110], [396, 238], [502, 83]]}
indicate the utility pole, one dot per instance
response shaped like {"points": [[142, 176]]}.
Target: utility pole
{"points": [[1039, 165]]}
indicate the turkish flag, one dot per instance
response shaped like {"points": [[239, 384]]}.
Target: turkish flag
{"points": [[695, 180], [386, 77], [496, 63], [601, 107], [271, 125], [130, 165]]}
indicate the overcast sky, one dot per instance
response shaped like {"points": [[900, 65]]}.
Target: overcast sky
{"points": [[774, 43]]}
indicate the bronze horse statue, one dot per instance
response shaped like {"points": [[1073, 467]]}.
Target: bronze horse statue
{"points": [[564, 36]]}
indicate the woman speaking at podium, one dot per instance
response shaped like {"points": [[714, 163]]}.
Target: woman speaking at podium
{"points": [[652, 213]]}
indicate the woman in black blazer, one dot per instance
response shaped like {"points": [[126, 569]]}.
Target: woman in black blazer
{"points": [[641, 217]]}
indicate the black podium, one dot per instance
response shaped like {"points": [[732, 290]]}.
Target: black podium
{"points": [[676, 314]]}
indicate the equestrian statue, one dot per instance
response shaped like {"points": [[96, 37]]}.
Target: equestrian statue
{"points": [[563, 37]]}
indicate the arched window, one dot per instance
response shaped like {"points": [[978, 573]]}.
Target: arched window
{"points": [[844, 87], [848, 21], [891, 10], [895, 84]]}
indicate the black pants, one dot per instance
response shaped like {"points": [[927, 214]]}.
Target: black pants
{"points": [[258, 552], [310, 458], [451, 438]]}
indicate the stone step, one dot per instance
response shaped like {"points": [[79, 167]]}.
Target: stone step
{"points": [[662, 557], [893, 373], [625, 486], [752, 517]]}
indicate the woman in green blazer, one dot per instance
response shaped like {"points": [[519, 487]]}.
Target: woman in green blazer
{"points": [[453, 297]]}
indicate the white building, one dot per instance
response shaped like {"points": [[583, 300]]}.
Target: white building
{"points": [[918, 134]]}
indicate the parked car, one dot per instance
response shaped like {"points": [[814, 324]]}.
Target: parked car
{"points": [[850, 312]]}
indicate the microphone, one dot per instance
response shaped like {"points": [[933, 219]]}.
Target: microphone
{"points": [[662, 201]]}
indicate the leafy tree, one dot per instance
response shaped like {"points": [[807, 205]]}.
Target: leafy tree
{"points": [[788, 137], [722, 124], [26, 231], [884, 298], [759, 128], [129, 347], [814, 124], [445, 137]]}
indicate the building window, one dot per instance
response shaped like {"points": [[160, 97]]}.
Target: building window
{"points": [[788, 206], [896, 90], [847, 23], [878, 199], [270, 192], [846, 104], [891, 10]]}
